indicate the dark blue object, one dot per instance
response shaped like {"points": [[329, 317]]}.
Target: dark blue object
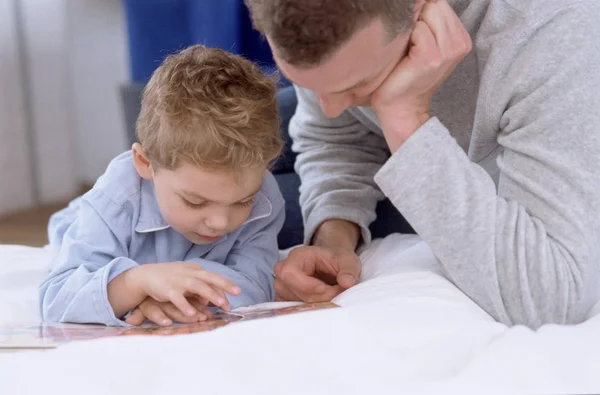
{"points": [[157, 28]]}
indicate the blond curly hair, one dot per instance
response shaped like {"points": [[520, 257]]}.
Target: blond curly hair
{"points": [[212, 109]]}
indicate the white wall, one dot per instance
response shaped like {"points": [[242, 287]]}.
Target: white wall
{"points": [[99, 64], [16, 184], [44, 23], [60, 109]]}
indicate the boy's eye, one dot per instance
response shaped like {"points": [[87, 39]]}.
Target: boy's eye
{"points": [[193, 205], [247, 203]]}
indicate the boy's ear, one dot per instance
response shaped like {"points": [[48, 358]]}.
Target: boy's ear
{"points": [[141, 163]]}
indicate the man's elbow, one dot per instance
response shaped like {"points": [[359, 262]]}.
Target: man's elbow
{"points": [[570, 307]]}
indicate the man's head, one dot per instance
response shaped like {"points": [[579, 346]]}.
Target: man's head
{"points": [[208, 130], [341, 49]]}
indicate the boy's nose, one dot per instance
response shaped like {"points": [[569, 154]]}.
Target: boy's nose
{"points": [[217, 222]]}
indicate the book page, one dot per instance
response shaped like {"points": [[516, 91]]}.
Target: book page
{"points": [[50, 335]]}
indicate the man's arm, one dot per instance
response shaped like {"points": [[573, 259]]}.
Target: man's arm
{"points": [[528, 252], [337, 233], [337, 160]]}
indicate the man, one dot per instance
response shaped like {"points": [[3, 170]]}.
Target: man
{"points": [[490, 110]]}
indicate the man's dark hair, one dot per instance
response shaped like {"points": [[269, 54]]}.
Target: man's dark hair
{"points": [[306, 32]]}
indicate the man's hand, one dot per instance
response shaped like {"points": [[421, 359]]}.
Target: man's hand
{"points": [[165, 313], [316, 274], [439, 42], [321, 272]]}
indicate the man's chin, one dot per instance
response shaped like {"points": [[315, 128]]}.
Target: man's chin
{"points": [[365, 102]]}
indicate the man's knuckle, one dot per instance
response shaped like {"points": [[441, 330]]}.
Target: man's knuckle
{"points": [[435, 62], [285, 272], [468, 46]]}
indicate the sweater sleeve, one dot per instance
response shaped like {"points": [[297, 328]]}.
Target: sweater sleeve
{"points": [[528, 250], [338, 158]]}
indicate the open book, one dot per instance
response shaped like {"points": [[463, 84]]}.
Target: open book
{"points": [[50, 335]]}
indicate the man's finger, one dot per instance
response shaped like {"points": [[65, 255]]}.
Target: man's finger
{"points": [[300, 282], [437, 18], [450, 33], [136, 318], [349, 273], [424, 46], [277, 268], [330, 292], [283, 294]]}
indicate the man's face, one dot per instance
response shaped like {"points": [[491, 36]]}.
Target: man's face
{"points": [[354, 72]]}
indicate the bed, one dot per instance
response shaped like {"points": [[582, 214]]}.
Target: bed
{"points": [[405, 328]]}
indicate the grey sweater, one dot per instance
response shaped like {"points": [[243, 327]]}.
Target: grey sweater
{"points": [[504, 181]]}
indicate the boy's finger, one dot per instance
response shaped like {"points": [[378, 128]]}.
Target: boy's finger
{"points": [[176, 315], [222, 294], [204, 290], [182, 304], [136, 318], [155, 314], [199, 301], [202, 309], [208, 313], [218, 281]]}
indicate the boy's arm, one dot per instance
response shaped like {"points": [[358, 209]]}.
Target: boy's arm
{"points": [[125, 292], [91, 255], [251, 262]]}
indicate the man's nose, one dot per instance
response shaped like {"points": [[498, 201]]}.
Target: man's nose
{"points": [[333, 105]]}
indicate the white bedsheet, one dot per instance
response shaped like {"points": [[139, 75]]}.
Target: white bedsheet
{"points": [[405, 328]]}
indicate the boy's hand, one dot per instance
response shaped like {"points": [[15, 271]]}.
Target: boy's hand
{"points": [[175, 282], [165, 313]]}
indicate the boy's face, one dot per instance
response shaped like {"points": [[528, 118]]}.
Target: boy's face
{"points": [[204, 205]]}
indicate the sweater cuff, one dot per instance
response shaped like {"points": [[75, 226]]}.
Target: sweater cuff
{"points": [[362, 218]]}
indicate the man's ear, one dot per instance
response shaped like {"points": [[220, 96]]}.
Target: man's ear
{"points": [[141, 163]]}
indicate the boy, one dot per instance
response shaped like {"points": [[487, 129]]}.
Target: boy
{"points": [[189, 214]]}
